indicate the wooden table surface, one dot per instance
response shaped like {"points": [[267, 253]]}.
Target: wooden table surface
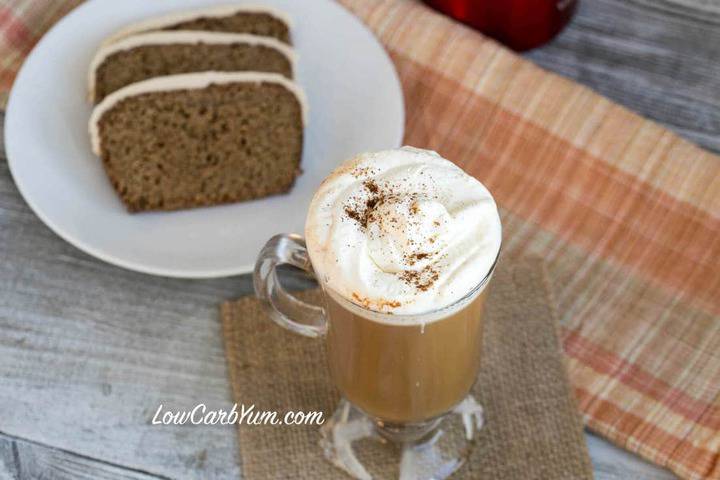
{"points": [[88, 351]]}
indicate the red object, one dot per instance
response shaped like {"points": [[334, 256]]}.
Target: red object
{"points": [[519, 24]]}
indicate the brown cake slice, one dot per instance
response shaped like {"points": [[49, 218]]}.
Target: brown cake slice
{"points": [[146, 55], [197, 139], [252, 19]]}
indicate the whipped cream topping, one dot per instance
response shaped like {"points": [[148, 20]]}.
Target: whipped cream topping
{"points": [[402, 231]]}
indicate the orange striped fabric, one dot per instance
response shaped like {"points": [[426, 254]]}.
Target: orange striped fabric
{"points": [[22, 23], [626, 214]]}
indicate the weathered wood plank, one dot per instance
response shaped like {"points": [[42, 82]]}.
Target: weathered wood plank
{"points": [[23, 460], [658, 58], [88, 351], [612, 463]]}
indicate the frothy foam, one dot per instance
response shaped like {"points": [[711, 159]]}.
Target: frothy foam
{"points": [[402, 231]]}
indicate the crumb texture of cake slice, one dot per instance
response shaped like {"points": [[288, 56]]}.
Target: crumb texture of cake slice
{"points": [[253, 19], [139, 57], [200, 139]]}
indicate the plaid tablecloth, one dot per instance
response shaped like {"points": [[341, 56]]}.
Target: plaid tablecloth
{"points": [[626, 214]]}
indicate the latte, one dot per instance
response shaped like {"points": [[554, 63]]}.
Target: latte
{"points": [[403, 243]]}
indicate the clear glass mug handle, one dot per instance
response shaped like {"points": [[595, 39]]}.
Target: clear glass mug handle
{"points": [[285, 309]]}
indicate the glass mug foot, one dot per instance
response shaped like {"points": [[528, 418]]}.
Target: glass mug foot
{"points": [[368, 449]]}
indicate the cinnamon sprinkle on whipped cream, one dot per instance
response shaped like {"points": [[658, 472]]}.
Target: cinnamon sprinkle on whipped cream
{"points": [[402, 231]]}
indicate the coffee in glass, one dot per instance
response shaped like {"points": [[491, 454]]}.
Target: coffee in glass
{"points": [[403, 244]]}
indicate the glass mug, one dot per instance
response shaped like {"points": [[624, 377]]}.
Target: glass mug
{"points": [[401, 375]]}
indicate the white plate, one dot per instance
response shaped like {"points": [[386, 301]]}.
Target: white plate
{"points": [[355, 103]]}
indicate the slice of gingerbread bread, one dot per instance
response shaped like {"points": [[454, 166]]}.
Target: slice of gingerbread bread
{"points": [[146, 55], [252, 19], [198, 139]]}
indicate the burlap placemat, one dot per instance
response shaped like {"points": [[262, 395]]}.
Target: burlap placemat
{"points": [[532, 427]]}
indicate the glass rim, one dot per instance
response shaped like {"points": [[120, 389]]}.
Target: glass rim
{"points": [[465, 298]]}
